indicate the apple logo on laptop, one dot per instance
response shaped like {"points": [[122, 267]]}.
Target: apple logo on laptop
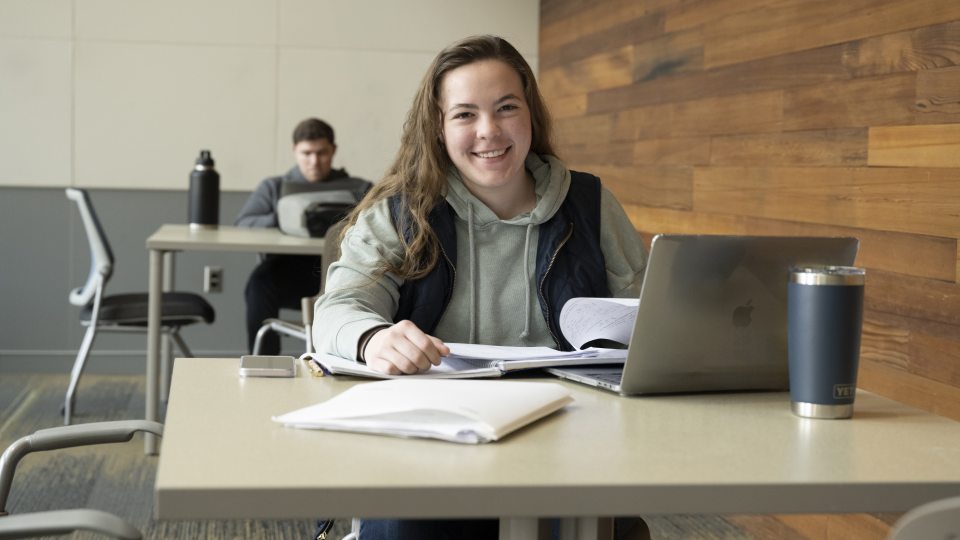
{"points": [[741, 315]]}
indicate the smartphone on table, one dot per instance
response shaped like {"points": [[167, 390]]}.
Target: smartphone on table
{"points": [[267, 366]]}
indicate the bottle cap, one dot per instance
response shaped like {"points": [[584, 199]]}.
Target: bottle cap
{"points": [[205, 159]]}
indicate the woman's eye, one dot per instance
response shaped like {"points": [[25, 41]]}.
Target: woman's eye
{"points": [[462, 115], [509, 107]]}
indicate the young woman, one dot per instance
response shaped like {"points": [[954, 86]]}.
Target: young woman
{"points": [[477, 234]]}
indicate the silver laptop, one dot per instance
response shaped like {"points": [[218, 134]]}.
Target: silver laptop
{"points": [[713, 314]]}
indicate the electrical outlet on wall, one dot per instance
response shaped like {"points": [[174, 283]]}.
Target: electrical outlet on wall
{"points": [[212, 279]]}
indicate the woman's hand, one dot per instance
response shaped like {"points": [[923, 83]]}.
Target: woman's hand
{"points": [[403, 349]]}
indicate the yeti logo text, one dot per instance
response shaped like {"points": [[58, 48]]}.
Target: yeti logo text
{"points": [[843, 391]]}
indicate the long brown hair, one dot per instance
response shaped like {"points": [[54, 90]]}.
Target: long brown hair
{"points": [[419, 172]]}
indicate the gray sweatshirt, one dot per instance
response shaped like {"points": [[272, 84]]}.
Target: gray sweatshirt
{"points": [[494, 298], [260, 209]]}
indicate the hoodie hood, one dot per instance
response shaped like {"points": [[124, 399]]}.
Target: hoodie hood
{"points": [[552, 183]]}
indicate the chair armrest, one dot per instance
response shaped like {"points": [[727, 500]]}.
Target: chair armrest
{"points": [[92, 433], [66, 437], [57, 522]]}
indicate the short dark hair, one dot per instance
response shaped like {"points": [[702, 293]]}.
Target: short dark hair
{"points": [[313, 129]]}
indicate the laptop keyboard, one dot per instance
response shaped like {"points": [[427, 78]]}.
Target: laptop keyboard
{"points": [[608, 377]]}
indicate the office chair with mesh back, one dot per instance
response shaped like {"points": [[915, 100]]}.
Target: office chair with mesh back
{"points": [[302, 329], [56, 522], [120, 312]]}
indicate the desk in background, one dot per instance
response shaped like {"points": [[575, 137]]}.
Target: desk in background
{"points": [[168, 240], [223, 458]]}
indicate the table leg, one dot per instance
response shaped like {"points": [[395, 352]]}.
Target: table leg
{"points": [[166, 347], [519, 528], [155, 297], [586, 529]]}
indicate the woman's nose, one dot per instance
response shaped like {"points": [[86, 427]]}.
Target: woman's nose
{"points": [[488, 128]]}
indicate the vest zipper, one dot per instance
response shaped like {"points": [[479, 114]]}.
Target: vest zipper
{"points": [[543, 281], [453, 268]]}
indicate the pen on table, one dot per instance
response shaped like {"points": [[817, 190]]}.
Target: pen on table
{"points": [[314, 366]]}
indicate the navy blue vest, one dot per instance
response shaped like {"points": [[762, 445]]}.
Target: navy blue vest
{"points": [[569, 261]]}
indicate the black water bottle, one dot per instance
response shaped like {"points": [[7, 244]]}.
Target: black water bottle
{"points": [[204, 210]]}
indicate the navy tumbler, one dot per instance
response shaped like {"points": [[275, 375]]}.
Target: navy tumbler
{"points": [[825, 318]]}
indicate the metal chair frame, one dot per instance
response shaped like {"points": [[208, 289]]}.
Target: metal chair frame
{"points": [[92, 294]]}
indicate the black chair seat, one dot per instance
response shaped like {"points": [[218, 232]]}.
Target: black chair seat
{"points": [[178, 309]]}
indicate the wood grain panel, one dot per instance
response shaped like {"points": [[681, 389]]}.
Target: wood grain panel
{"points": [[697, 14], [785, 27], [667, 187], [913, 50], [930, 350], [583, 129], [743, 113], [789, 71], [627, 32], [837, 527], [586, 156], [676, 52], [870, 198], [927, 300], [914, 390], [915, 146], [834, 147], [594, 19], [552, 11], [681, 151], [605, 70], [938, 91], [567, 107], [867, 102], [904, 254]]}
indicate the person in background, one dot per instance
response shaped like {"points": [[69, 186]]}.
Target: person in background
{"points": [[478, 234], [280, 281]]}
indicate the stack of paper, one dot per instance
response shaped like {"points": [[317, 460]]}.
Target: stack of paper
{"points": [[451, 410], [476, 361]]}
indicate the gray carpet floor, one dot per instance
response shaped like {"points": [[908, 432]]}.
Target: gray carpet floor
{"points": [[118, 478]]}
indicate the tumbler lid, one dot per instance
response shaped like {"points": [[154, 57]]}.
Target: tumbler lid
{"points": [[827, 275]]}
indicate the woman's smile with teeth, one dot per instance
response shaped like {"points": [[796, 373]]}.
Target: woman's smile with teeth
{"points": [[492, 153]]}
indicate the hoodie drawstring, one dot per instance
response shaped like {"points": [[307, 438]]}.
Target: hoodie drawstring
{"points": [[473, 281], [526, 284]]}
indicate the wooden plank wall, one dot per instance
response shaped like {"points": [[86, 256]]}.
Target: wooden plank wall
{"points": [[793, 117]]}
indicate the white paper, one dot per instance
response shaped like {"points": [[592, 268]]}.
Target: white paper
{"points": [[468, 411], [585, 319]]}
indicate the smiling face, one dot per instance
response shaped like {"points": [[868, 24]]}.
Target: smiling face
{"points": [[487, 130]]}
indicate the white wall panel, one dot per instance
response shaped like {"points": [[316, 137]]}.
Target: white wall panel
{"points": [[408, 25], [143, 111], [35, 114], [364, 95], [36, 18], [233, 22], [119, 93]]}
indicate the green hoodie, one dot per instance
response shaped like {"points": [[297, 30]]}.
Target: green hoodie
{"points": [[494, 298]]}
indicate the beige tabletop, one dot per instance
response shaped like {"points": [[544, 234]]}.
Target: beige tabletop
{"points": [[172, 237], [222, 457], [163, 245]]}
